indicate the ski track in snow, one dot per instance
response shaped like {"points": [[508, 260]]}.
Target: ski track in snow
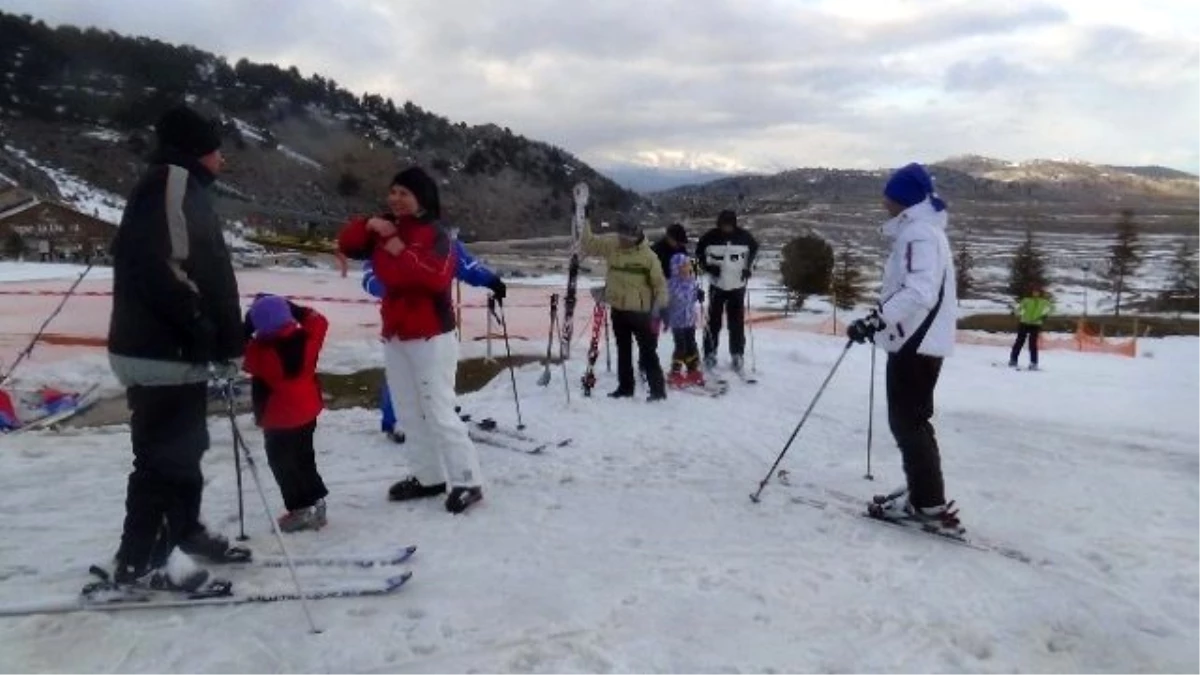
{"points": [[636, 548]]}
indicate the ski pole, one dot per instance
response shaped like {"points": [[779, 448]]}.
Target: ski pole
{"points": [[562, 361], [607, 350], [488, 336], [237, 466], [816, 397], [508, 351], [870, 413], [238, 440], [41, 329], [227, 392], [749, 325], [545, 377]]}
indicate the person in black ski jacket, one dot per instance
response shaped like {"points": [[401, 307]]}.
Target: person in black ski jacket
{"points": [[175, 319], [726, 253]]}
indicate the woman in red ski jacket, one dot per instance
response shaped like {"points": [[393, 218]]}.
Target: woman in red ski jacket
{"points": [[284, 341], [413, 257]]}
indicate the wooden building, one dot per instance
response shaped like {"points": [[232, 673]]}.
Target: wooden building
{"points": [[48, 231]]}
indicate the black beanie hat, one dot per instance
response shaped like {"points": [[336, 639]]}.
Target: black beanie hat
{"points": [[628, 228], [187, 131], [727, 217], [424, 188], [676, 232]]}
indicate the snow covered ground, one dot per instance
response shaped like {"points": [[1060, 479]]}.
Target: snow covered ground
{"points": [[636, 547]]}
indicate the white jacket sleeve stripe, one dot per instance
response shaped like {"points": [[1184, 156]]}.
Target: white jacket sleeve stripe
{"points": [[919, 291]]}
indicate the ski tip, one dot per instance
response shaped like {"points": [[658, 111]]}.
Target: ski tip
{"points": [[410, 550], [395, 582]]}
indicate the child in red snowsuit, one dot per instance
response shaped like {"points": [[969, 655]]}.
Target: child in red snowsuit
{"points": [[283, 343]]}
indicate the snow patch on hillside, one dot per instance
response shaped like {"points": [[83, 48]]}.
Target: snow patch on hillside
{"points": [[293, 155], [76, 192]]}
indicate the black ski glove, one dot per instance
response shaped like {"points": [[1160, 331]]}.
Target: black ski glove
{"points": [[865, 328], [712, 270], [745, 274], [700, 295], [499, 290], [299, 313]]}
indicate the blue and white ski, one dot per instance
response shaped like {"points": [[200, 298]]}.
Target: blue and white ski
{"points": [[355, 561], [109, 600]]}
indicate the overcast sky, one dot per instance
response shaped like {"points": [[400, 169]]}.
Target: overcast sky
{"points": [[738, 84]]}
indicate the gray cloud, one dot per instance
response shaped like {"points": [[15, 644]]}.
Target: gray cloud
{"points": [[768, 84], [989, 73]]}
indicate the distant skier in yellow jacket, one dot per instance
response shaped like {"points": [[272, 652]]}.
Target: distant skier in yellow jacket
{"points": [[1031, 311]]}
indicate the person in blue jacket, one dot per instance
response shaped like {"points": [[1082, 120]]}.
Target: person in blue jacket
{"points": [[468, 270]]}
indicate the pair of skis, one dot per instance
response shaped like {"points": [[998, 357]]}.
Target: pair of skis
{"points": [[834, 500], [581, 196], [83, 402], [102, 595], [710, 388], [489, 432]]}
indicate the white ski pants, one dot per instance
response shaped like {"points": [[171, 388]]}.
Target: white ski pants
{"points": [[420, 377]]}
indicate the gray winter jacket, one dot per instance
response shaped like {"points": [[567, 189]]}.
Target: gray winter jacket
{"points": [[175, 297]]}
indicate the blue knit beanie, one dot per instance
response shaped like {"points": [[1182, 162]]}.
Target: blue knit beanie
{"points": [[910, 185], [270, 314]]}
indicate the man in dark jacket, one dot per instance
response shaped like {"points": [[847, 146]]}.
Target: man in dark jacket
{"points": [[727, 254], [175, 319]]}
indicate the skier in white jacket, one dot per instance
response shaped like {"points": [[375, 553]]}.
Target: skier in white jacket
{"points": [[915, 322], [727, 253]]}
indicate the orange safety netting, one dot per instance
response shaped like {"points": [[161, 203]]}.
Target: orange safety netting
{"points": [[1084, 339], [354, 314]]}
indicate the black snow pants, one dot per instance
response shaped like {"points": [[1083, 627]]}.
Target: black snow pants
{"points": [[169, 430], [733, 305], [686, 353], [911, 379], [294, 463], [627, 327], [1030, 331]]}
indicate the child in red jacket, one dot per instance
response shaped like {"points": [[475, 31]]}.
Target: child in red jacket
{"points": [[284, 341]]}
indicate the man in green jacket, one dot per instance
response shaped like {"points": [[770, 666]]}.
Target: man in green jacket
{"points": [[636, 290], [1031, 311]]}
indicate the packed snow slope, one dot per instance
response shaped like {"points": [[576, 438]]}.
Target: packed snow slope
{"points": [[636, 548]]}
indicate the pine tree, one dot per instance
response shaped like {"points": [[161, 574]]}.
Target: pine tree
{"points": [[806, 267], [1124, 258], [847, 283], [1028, 268], [964, 269]]}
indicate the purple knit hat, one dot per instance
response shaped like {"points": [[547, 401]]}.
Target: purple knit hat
{"points": [[270, 314]]}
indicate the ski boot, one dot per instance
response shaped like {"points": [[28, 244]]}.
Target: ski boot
{"points": [[411, 488], [461, 498], [695, 378], [214, 548], [736, 363], [180, 574], [677, 379], [941, 519], [308, 518]]}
